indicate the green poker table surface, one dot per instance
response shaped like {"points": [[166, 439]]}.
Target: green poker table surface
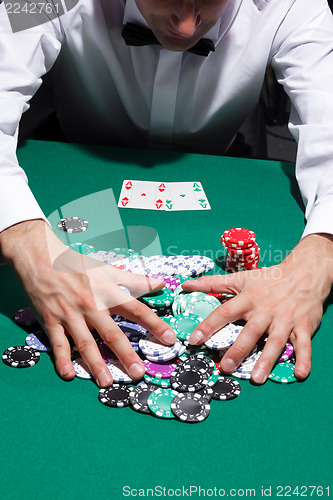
{"points": [[59, 442]]}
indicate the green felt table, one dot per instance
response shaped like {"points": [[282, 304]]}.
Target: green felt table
{"points": [[59, 442]]}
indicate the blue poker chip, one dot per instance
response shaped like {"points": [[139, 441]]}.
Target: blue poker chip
{"points": [[39, 341], [132, 330]]}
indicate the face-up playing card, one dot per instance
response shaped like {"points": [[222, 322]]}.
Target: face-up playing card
{"points": [[169, 196], [186, 196]]}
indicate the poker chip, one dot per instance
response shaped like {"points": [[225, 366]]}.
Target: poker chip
{"points": [[189, 407], [184, 324], [188, 379], [124, 253], [116, 396], [82, 248], [107, 354], [82, 370], [283, 373], [118, 372], [72, 225], [242, 250], [287, 353], [20, 356], [25, 317], [206, 392], [225, 389], [159, 402], [213, 378], [39, 341], [161, 298], [139, 397], [161, 382], [200, 304], [157, 370], [222, 338], [238, 237], [152, 347], [199, 362], [132, 330]]}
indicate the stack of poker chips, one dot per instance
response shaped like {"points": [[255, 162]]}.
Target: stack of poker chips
{"points": [[242, 249]]}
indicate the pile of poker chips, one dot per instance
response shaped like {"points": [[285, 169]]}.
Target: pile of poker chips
{"points": [[180, 380], [242, 250], [155, 265]]}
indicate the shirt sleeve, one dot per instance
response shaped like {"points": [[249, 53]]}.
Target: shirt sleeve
{"points": [[26, 56], [302, 58]]}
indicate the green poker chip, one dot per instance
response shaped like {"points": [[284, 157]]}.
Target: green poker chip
{"points": [[161, 382], [201, 304], [184, 324], [213, 378], [128, 253], [283, 373], [82, 248], [159, 402], [161, 298]]}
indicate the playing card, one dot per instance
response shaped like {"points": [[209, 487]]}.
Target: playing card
{"points": [[169, 196], [186, 196]]}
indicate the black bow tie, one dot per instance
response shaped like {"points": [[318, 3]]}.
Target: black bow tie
{"points": [[137, 35]]}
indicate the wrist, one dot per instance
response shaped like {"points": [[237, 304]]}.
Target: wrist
{"points": [[314, 255], [27, 239]]}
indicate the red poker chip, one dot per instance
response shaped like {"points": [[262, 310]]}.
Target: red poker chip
{"points": [[238, 237], [244, 251], [242, 260]]}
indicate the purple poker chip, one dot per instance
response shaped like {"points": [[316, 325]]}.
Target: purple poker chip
{"points": [[287, 353], [171, 282], [106, 353], [25, 317], [157, 370]]}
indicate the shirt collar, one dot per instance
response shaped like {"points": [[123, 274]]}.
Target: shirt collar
{"points": [[133, 15]]}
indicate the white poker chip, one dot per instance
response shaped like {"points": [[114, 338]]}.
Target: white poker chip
{"points": [[81, 369], [119, 373], [224, 337]]}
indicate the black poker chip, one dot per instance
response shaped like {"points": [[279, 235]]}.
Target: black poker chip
{"points": [[190, 407], [206, 392], [117, 395], [72, 225], [139, 397], [225, 389], [20, 356], [199, 362], [188, 379]]}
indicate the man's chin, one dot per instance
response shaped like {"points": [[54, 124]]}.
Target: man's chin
{"points": [[176, 44]]}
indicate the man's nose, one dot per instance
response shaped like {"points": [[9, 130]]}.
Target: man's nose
{"points": [[185, 19]]}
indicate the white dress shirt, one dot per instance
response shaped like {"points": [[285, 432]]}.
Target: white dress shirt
{"points": [[106, 92]]}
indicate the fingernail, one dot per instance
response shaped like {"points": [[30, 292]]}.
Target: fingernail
{"points": [[259, 376], [104, 379], [228, 365], [67, 370], [136, 371], [169, 337], [301, 371], [196, 337]]}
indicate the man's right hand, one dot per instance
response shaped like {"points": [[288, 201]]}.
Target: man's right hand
{"points": [[72, 293]]}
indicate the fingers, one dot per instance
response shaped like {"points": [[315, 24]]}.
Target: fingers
{"points": [[138, 312], [138, 285], [248, 337], [61, 351], [226, 313], [301, 341], [119, 343], [89, 351], [231, 283]]}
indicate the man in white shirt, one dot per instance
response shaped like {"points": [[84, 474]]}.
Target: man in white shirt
{"points": [[163, 96]]}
